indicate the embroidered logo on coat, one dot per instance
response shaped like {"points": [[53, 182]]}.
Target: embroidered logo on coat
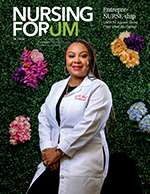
{"points": [[80, 97]]}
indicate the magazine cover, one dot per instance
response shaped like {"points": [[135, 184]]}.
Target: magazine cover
{"points": [[34, 37]]}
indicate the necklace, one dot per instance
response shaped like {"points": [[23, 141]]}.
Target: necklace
{"points": [[67, 89]]}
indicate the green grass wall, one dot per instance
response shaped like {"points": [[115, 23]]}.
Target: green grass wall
{"points": [[18, 162]]}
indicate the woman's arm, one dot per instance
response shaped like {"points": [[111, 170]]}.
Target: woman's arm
{"points": [[44, 129], [44, 126]]}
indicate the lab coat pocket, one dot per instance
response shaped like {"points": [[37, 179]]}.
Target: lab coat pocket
{"points": [[88, 161]]}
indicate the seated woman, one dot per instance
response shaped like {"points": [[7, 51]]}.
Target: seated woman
{"points": [[71, 128]]}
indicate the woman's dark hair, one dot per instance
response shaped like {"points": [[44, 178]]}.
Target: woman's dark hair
{"points": [[93, 67]]}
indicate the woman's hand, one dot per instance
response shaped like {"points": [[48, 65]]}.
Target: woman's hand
{"points": [[50, 157], [54, 166]]}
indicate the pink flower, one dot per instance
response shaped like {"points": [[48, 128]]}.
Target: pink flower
{"points": [[31, 80], [36, 56], [42, 70], [26, 56], [19, 130]]}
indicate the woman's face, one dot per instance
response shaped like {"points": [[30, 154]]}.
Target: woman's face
{"points": [[77, 60]]}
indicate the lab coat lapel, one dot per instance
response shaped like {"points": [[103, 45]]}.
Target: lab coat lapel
{"points": [[61, 87], [84, 83], [60, 90]]}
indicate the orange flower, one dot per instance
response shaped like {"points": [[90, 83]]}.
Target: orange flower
{"points": [[118, 47], [27, 66], [130, 58]]}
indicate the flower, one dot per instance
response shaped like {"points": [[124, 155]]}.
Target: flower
{"points": [[144, 124], [42, 70], [125, 34], [18, 75], [31, 80], [33, 67], [137, 111], [19, 130], [26, 56], [127, 47], [118, 47], [134, 42], [130, 58], [36, 56]]}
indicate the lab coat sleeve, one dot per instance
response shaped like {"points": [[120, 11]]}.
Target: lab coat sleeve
{"points": [[44, 126], [95, 117]]}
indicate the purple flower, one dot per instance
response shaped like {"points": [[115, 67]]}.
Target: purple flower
{"points": [[18, 75], [134, 42]]}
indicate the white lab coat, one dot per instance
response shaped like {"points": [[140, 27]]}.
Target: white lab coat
{"points": [[83, 114]]}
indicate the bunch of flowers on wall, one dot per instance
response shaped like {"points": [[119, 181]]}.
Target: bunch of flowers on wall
{"points": [[19, 130], [138, 113], [127, 47], [34, 67]]}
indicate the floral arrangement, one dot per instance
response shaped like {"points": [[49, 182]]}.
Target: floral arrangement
{"points": [[33, 67], [127, 47], [19, 130], [137, 113]]}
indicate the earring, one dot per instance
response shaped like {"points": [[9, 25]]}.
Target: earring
{"points": [[91, 75], [66, 71]]}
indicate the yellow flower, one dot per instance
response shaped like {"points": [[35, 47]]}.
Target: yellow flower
{"points": [[125, 34], [118, 47], [130, 58]]}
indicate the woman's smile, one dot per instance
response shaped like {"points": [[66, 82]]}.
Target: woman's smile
{"points": [[76, 67]]}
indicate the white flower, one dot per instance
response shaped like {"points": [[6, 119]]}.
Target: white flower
{"points": [[125, 34]]}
